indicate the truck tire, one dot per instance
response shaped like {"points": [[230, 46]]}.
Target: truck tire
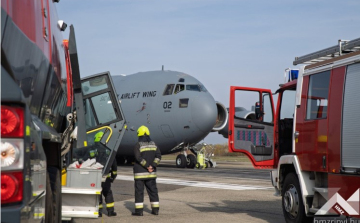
{"points": [[190, 161], [181, 161], [292, 203], [49, 209]]}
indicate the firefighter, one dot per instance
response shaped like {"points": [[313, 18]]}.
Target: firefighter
{"points": [[106, 186], [147, 157]]}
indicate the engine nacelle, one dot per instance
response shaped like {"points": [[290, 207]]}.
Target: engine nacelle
{"points": [[240, 112], [222, 117]]}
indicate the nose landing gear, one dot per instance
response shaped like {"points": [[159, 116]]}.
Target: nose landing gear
{"points": [[201, 157]]}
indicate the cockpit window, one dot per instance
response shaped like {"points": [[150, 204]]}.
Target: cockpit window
{"points": [[193, 87], [169, 89], [178, 88], [183, 102], [202, 88], [181, 80]]}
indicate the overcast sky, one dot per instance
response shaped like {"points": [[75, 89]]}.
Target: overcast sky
{"points": [[219, 42]]}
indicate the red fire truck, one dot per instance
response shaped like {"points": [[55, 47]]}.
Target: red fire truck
{"points": [[311, 140], [42, 101]]}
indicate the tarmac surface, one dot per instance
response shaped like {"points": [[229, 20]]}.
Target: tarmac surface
{"points": [[230, 192]]}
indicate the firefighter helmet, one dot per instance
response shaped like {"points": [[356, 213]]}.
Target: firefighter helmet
{"points": [[98, 136], [143, 130]]}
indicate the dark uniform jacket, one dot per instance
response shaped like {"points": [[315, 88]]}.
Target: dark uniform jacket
{"points": [[146, 154]]}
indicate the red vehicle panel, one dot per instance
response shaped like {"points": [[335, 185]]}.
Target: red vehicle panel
{"points": [[254, 138], [334, 131]]}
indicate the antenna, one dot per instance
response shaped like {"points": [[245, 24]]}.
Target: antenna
{"points": [[162, 67]]}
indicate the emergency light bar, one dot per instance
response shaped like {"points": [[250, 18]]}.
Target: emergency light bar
{"points": [[290, 74]]}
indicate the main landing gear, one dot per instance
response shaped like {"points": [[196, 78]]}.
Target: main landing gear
{"points": [[183, 161]]}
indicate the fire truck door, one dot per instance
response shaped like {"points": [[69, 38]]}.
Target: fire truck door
{"points": [[98, 109], [102, 114], [252, 134]]}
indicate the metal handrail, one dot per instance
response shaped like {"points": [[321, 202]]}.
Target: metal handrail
{"points": [[104, 127]]}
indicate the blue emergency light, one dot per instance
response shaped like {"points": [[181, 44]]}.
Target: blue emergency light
{"points": [[291, 74]]}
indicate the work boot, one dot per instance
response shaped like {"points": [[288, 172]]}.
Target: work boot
{"points": [[111, 213], [100, 214], [137, 213], [155, 211]]}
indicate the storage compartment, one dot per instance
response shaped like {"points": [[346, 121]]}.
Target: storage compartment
{"points": [[261, 150], [83, 178], [350, 154]]}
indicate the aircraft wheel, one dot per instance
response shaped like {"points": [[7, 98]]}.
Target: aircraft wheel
{"points": [[181, 161], [190, 161], [292, 203]]}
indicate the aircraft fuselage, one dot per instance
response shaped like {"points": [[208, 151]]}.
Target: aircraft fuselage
{"points": [[175, 107]]}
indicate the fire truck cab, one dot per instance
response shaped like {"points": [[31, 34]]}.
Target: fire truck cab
{"points": [[310, 140], [49, 117]]}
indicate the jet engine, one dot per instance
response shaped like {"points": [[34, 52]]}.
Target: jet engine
{"points": [[221, 119], [239, 112]]}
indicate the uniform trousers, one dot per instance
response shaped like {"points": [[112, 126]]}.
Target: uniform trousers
{"points": [[107, 192], [152, 191]]}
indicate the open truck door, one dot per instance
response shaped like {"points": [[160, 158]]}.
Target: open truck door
{"points": [[97, 110], [254, 135], [102, 114]]}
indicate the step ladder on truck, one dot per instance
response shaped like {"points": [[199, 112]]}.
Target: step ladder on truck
{"points": [[97, 109], [310, 140]]}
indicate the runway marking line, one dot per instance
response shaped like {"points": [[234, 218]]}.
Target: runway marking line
{"points": [[212, 185]]}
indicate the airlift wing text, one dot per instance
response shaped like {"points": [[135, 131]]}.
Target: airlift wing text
{"points": [[145, 94]]}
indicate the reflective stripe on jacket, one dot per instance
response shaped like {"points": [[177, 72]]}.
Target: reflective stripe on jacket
{"points": [[146, 154]]}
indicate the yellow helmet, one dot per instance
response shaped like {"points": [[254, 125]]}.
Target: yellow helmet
{"points": [[98, 136], [142, 130]]}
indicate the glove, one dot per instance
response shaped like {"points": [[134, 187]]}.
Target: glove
{"points": [[112, 178]]}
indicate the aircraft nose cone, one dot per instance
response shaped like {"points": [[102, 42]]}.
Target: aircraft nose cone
{"points": [[204, 112]]}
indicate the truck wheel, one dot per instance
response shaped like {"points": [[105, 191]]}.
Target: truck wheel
{"points": [[292, 203], [49, 209], [190, 161], [55, 178], [181, 161]]}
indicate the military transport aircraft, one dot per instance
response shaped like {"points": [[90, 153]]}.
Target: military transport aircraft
{"points": [[176, 107]]}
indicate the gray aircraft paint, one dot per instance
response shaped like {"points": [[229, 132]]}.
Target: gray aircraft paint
{"points": [[143, 103]]}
